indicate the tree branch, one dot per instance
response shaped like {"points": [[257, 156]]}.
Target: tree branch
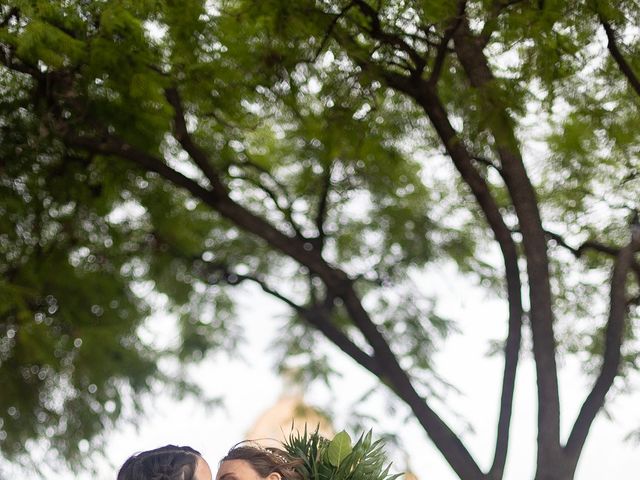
{"points": [[337, 282], [338, 285], [318, 316], [443, 48], [376, 31], [285, 210], [322, 207], [497, 7], [469, 51], [220, 202], [611, 358], [488, 163], [248, 162], [114, 146], [183, 137], [332, 25], [443, 437], [595, 246], [438, 62], [624, 67], [424, 94], [462, 160]]}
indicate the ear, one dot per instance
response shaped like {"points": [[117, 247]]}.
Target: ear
{"points": [[274, 476]]}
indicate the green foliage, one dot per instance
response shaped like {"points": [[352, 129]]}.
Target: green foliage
{"points": [[43, 42], [69, 315], [338, 459]]}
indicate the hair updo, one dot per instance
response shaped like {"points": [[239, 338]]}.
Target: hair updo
{"points": [[165, 463], [266, 461]]}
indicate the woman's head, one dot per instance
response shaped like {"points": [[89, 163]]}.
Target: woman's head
{"points": [[166, 463], [248, 462]]}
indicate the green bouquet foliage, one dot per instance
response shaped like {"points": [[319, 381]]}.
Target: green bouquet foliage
{"points": [[338, 459]]}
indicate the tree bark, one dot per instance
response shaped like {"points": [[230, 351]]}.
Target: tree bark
{"points": [[470, 54]]}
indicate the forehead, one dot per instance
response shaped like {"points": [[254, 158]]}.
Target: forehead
{"points": [[239, 469], [203, 472]]}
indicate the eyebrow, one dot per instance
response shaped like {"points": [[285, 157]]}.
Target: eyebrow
{"points": [[227, 475]]}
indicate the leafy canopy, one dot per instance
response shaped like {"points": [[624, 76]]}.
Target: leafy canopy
{"points": [[331, 152]]}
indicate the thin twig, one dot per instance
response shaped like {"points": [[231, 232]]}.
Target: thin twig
{"points": [[332, 25], [612, 45]]}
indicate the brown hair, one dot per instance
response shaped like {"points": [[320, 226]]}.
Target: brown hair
{"points": [[266, 461]]}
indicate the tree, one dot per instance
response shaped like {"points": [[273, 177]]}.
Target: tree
{"points": [[194, 147]]}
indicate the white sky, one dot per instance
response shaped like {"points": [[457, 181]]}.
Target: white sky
{"points": [[250, 387]]}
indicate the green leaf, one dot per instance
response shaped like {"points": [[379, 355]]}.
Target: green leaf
{"points": [[339, 448]]}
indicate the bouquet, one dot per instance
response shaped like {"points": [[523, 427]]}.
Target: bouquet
{"points": [[338, 459]]}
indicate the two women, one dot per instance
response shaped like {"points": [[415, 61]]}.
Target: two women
{"points": [[243, 462]]}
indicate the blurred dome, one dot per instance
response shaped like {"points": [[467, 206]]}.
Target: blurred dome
{"points": [[409, 475], [289, 414]]}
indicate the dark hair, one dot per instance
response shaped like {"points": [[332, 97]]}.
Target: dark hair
{"points": [[266, 461], [165, 463]]}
